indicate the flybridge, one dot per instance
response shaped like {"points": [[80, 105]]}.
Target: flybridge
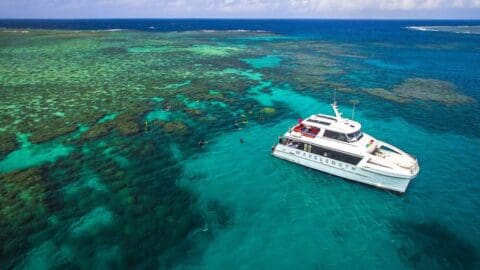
{"points": [[318, 122], [335, 124]]}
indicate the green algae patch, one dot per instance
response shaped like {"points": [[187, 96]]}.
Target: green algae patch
{"points": [[59, 114], [178, 85], [269, 61], [191, 104], [249, 74], [157, 99], [150, 49], [33, 155], [268, 111], [214, 92], [214, 50], [108, 117]]}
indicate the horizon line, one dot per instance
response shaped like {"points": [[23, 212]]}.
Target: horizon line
{"points": [[244, 18]]}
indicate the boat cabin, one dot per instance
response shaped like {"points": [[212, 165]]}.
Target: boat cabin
{"points": [[329, 127]]}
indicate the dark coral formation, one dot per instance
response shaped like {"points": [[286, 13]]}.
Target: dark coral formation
{"points": [[8, 143], [431, 90], [24, 205], [175, 127], [422, 89]]}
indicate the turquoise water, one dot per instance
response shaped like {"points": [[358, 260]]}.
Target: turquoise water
{"points": [[139, 163], [279, 210], [268, 61]]}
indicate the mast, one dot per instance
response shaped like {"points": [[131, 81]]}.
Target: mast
{"points": [[338, 114], [354, 102]]}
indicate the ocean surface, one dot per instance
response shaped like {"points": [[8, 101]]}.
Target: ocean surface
{"points": [[120, 144]]}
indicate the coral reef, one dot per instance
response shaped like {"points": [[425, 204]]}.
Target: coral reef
{"points": [[431, 90], [24, 203], [97, 131], [175, 127], [8, 143], [422, 89], [127, 108], [383, 93]]}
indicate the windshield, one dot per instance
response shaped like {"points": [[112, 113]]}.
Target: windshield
{"points": [[353, 137]]}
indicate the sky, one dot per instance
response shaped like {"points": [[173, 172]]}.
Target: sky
{"points": [[393, 9]]}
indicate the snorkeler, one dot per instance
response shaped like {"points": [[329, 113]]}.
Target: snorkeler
{"points": [[146, 126], [202, 142]]}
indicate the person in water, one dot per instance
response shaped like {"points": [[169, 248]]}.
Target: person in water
{"points": [[146, 127], [241, 140]]}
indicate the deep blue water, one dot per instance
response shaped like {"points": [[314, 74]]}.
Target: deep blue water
{"points": [[346, 30], [281, 216]]}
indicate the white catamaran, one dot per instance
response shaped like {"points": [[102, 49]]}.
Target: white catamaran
{"points": [[337, 146]]}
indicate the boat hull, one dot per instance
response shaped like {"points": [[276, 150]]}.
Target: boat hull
{"points": [[341, 169]]}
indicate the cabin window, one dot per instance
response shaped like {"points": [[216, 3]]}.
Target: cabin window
{"points": [[353, 137], [295, 144], [335, 135], [354, 160]]}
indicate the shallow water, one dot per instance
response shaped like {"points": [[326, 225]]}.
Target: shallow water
{"points": [[101, 165]]}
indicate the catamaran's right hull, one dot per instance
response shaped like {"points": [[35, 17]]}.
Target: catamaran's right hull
{"points": [[341, 169]]}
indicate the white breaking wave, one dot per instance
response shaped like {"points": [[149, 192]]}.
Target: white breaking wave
{"points": [[457, 29], [113, 30], [419, 28], [234, 31], [5, 30]]}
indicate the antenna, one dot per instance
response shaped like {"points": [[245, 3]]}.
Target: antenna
{"points": [[335, 96], [354, 102], [353, 110]]}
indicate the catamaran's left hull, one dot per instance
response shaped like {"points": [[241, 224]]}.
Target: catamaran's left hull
{"points": [[341, 169]]}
